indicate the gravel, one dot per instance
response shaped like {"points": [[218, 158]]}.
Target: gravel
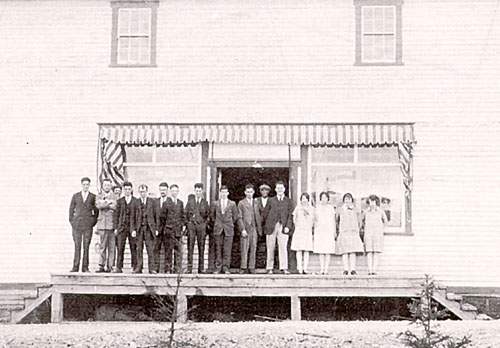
{"points": [[358, 334]]}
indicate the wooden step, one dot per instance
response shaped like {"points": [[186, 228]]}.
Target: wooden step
{"points": [[453, 297], [453, 306]]}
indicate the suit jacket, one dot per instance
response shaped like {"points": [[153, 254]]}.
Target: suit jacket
{"points": [[225, 221], [197, 213], [263, 211], [120, 215], [83, 215], [152, 214], [106, 212], [279, 211], [172, 217], [250, 216]]}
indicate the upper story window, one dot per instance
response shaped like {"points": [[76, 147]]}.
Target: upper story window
{"points": [[378, 32], [134, 33]]}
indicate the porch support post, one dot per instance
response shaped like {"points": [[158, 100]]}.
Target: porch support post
{"points": [[182, 308], [57, 305], [295, 307]]}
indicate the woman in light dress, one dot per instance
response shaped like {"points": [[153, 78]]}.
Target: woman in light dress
{"points": [[302, 240], [324, 232], [348, 240], [374, 221]]}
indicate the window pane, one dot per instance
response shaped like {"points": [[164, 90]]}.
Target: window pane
{"points": [[134, 50], [386, 154], [123, 49], [389, 19], [367, 19], [139, 153], [172, 154], [144, 52], [386, 182], [185, 177], [123, 22], [332, 154], [389, 48], [144, 22]]}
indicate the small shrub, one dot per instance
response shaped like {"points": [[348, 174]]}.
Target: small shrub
{"points": [[423, 314]]}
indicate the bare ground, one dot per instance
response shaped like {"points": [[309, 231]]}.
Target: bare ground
{"points": [[243, 334]]}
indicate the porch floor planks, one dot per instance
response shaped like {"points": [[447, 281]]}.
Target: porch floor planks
{"points": [[237, 285]]}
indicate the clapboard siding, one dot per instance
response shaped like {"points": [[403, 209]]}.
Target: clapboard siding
{"points": [[263, 61]]}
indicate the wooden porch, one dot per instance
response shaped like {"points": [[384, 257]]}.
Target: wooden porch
{"points": [[293, 286]]}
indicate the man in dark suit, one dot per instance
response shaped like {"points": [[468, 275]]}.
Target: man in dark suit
{"points": [[123, 225], [82, 217], [160, 241], [225, 215], [197, 212], [262, 204], [145, 228], [250, 217], [278, 225], [173, 213]]}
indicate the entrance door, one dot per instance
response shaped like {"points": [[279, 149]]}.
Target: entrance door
{"points": [[235, 178]]}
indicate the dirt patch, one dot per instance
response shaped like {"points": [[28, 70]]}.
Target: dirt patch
{"points": [[237, 335]]}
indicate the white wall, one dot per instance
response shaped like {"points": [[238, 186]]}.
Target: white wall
{"points": [[251, 61]]}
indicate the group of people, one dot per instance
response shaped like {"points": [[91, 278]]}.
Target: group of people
{"points": [[161, 222]]}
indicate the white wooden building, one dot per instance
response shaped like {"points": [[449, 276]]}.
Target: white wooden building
{"points": [[257, 85]]}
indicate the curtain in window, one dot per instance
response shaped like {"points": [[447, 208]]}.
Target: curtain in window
{"points": [[405, 151], [112, 160]]}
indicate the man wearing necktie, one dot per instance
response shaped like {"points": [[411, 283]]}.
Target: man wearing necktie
{"points": [[173, 230], [146, 218], [106, 203], [250, 217], [160, 241], [224, 213], [197, 212], [123, 224], [82, 217], [279, 222]]}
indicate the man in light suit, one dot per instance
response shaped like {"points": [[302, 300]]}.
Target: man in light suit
{"points": [[124, 225], [225, 215], [145, 228], [197, 212], [106, 203], [250, 217], [82, 217], [278, 226]]}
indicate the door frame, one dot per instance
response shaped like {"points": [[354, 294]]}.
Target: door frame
{"points": [[292, 175]]}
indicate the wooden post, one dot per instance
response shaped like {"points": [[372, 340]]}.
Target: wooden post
{"points": [[57, 305], [295, 307], [182, 308]]}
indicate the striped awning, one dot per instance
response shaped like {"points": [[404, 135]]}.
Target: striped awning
{"points": [[259, 133]]}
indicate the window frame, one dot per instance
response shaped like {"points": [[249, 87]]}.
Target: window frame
{"points": [[116, 5], [398, 36], [405, 229]]}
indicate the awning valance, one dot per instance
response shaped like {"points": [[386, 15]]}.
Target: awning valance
{"points": [[259, 133]]}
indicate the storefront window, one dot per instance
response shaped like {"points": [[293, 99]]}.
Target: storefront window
{"points": [[371, 170], [174, 164]]}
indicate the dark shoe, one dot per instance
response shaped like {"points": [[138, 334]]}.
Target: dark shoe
{"points": [[243, 271], [107, 270], [251, 271], [269, 271], [345, 273], [74, 270], [117, 270], [137, 271], [304, 272], [353, 273], [100, 270], [85, 270]]}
